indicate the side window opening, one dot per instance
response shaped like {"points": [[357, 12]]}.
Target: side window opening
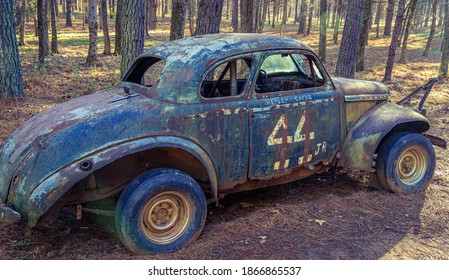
{"points": [[227, 79], [146, 72], [283, 72]]}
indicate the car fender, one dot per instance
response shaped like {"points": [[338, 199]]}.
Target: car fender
{"points": [[49, 191], [366, 135]]}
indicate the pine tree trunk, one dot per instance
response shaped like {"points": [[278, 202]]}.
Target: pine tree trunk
{"points": [[378, 16], [246, 16], [389, 18], [191, 15], [309, 24], [323, 27], [351, 33], [54, 31], [11, 81], [395, 40], [133, 32], [302, 17], [209, 16], [360, 64], [153, 15], [42, 26], [337, 22], [22, 22], [406, 32], [284, 17], [118, 28], [68, 14], [256, 15], [235, 15], [334, 13], [92, 54], [178, 19], [432, 28], [263, 16], [104, 19], [445, 57]]}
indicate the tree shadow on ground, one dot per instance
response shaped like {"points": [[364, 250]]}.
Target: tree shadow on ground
{"points": [[321, 217]]}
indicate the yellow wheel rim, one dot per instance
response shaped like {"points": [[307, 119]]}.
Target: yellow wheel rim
{"points": [[165, 217], [412, 165]]}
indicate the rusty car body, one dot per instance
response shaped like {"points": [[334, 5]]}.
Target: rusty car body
{"points": [[197, 118]]}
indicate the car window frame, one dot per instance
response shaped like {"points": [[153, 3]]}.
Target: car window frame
{"points": [[327, 83], [246, 88], [134, 66]]}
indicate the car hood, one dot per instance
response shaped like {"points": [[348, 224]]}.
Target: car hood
{"points": [[57, 136], [357, 88]]}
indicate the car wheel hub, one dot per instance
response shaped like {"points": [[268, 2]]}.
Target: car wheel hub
{"points": [[165, 217], [412, 165]]}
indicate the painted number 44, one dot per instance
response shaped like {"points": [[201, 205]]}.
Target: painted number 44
{"points": [[296, 138]]}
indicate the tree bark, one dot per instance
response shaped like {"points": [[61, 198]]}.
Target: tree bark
{"points": [[11, 80], [351, 32], [54, 31], [360, 64], [395, 40], [191, 15], [432, 28], [178, 19], [118, 28], [235, 15], [209, 17], [323, 27], [152, 22], [406, 32], [104, 19], [22, 15], [92, 54], [389, 18], [302, 17], [263, 16], [246, 16], [68, 13], [378, 16], [443, 71], [42, 26], [133, 32], [309, 24], [284, 17], [337, 22]]}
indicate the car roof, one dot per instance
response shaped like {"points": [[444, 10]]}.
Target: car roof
{"points": [[221, 45], [187, 59]]}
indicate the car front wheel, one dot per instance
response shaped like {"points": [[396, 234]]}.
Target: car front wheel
{"points": [[406, 163], [160, 211]]}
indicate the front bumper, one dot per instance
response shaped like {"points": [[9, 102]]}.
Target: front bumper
{"points": [[8, 215]]}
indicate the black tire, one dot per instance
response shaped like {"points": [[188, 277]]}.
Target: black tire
{"points": [[405, 163], [160, 211]]}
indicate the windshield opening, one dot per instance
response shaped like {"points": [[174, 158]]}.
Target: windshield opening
{"points": [[146, 72]]}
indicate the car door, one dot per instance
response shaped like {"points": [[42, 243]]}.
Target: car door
{"points": [[224, 129], [293, 115]]}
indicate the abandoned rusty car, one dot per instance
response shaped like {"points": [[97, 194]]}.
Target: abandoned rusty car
{"points": [[198, 118]]}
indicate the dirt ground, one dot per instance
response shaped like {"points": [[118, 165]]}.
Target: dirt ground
{"points": [[330, 216]]}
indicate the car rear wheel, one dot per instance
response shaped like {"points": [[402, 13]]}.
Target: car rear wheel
{"points": [[406, 163], [160, 211]]}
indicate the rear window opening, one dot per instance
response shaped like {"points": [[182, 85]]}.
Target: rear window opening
{"points": [[146, 71], [227, 79]]}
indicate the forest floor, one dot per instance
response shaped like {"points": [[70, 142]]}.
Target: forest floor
{"points": [[322, 217]]}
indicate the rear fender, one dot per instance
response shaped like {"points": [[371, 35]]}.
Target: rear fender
{"points": [[367, 134], [54, 187]]}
